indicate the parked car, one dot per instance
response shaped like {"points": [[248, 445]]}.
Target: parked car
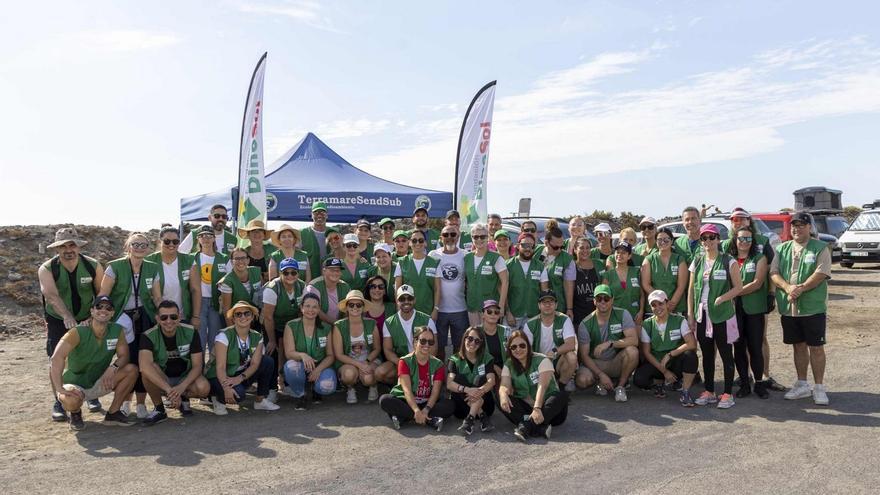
{"points": [[722, 221], [861, 241], [780, 223], [830, 222]]}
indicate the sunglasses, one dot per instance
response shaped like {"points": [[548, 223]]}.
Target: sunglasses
{"points": [[602, 233], [708, 237], [492, 311], [139, 245], [473, 340], [427, 342], [289, 273], [417, 241], [479, 237], [169, 242], [239, 258], [530, 231], [168, 317], [206, 235], [352, 246], [354, 305], [521, 346], [744, 239], [449, 234], [647, 227], [376, 286], [406, 299], [663, 240], [241, 314], [104, 307], [554, 247], [218, 216], [527, 246], [602, 298]]}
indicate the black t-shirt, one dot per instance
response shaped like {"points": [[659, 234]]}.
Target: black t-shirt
{"points": [[260, 263], [174, 366], [493, 345], [585, 283]]}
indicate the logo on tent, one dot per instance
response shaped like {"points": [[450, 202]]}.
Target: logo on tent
{"points": [[423, 202], [271, 202]]}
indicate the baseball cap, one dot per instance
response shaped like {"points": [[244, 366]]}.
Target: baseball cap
{"points": [[420, 208], [350, 239], [602, 290], [602, 227], [452, 213], [740, 213], [383, 247], [710, 228], [625, 246], [363, 221], [488, 303], [288, 263], [657, 295], [546, 294], [501, 233], [405, 290], [648, 220], [205, 229], [333, 263], [319, 205], [801, 216], [401, 233], [386, 220], [102, 300]]}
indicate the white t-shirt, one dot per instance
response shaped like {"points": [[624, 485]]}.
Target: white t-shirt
{"points": [[450, 271], [661, 327], [207, 270], [407, 328], [525, 269], [129, 304], [171, 283], [547, 344], [500, 265], [187, 243], [707, 271], [270, 297]]}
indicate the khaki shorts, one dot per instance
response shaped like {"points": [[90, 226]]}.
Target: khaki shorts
{"points": [[95, 392], [612, 367]]}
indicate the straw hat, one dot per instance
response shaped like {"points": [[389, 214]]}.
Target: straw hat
{"points": [[65, 235], [353, 295], [253, 225], [242, 304], [276, 235]]}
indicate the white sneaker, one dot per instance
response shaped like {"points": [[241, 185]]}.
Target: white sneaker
{"points": [[351, 396], [126, 408], [288, 391], [273, 396], [206, 401], [265, 405], [620, 394], [142, 411], [219, 407], [600, 390], [800, 390], [374, 393], [570, 387], [820, 395]]}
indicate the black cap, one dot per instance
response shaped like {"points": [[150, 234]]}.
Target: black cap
{"points": [[420, 208], [363, 221], [205, 229], [625, 246], [333, 263], [453, 213], [802, 216], [545, 294], [101, 300]]}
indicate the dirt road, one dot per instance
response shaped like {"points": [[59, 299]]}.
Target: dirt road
{"points": [[644, 446]]}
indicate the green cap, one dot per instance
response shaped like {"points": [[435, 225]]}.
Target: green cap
{"points": [[602, 289], [319, 205], [385, 220], [501, 233], [330, 230], [398, 233]]}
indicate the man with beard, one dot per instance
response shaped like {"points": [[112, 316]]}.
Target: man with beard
{"points": [[397, 334], [527, 278], [453, 219], [313, 238], [420, 220], [452, 316], [689, 245], [224, 239]]}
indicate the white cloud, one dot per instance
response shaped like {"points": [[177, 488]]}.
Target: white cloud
{"points": [[306, 12], [90, 46], [123, 40]]}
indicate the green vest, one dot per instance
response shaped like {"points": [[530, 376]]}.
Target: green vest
{"points": [[388, 278], [432, 239], [667, 340], [218, 271], [465, 241], [344, 327], [183, 336], [599, 258], [122, 287], [534, 326], [525, 384], [665, 277], [358, 279], [316, 345], [556, 273], [719, 283], [285, 308], [626, 298], [421, 281], [683, 246], [813, 301], [233, 358], [761, 242], [412, 363], [523, 289], [399, 341], [85, 287], [249, 292], [481, 283], [756, 302], [471, 372], [615, 327], [501, 333], [312, 248], [321, 286], [642, 251], [301, 257], [184, 263], [229, 242], [635, 258], [91, 357]]}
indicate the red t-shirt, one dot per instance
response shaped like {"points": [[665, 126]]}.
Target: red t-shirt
{"points": [[424, 391]]}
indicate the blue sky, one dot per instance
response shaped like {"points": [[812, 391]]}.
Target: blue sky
{"points": [[113, 111]]}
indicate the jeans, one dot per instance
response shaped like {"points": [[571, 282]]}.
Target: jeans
{"points": [[296, 376], [265, 378], [456, 323], [210, 324]]}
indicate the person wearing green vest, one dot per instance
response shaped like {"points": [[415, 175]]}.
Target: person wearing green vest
{"points": [[174, 272], [355, 268], [495, 335], [600, 253], [286, 238], [624, 279], [689, 245], [800, 271], [386, 226], [648, 228], [420, 221], [419, 271], [416, 396], [502, 245], [669, 349], [171, 363], [238, 361], [383, 266], [224, 240], [561, 272], [552, 334], [486, 275], [357, 347], [627, 235], [665, 269], [529, 396], [68, 284], [281, 304], [364, 237], [527, 278], [308, 347], [607, 346], [243, 283], [82, 366], [334, 246], [401, 245], [714, 283], [259, 249], [314, 238], [397, 334], [209, 266], [453, 219], [129, 283], [471, 381], [330, 288]]}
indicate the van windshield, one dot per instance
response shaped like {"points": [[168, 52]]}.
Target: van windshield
{"points": [[866, 221]]}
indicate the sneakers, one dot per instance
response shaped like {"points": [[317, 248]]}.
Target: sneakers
{"points": [[725, 401], [117, 419], [800, 390], [76, 421], [620, 394], [351, 396], [600, 390], [436, 422], [774, 385], [467, 426], [520, 433], [219, 407], [58, 412], [761, 390], [684, 397], [706, 398], [142, 411], [184, 408], [266, 405], [317, 398], [547, 431], [94, 406], [155, 418], [744, 391], [373, 395], [301, 404], [570, 386], [486, 423], [659, 391], [273, 396], [395, 422], [126, 408], [820, 395]]}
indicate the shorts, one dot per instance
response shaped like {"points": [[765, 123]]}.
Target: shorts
{"points": [[800, 329], [95, 392], [612, 367]]}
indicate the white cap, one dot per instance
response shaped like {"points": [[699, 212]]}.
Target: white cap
{"points": [[657, 295], [649, 220], [602, 227], [383, 247], [350, 239], [405, 290]]}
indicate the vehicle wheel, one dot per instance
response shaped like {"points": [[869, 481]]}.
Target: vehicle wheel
{"points": [[847, 264]]}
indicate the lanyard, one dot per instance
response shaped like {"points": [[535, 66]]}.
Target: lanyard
{"points": [[135, 287]]}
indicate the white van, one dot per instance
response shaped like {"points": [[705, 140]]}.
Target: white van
{"points": [[861, 241]]}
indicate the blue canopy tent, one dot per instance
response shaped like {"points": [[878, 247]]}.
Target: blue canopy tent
{"points": [[311, 171]]}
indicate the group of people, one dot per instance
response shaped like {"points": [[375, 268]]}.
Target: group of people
{"points": [[309, 312]]}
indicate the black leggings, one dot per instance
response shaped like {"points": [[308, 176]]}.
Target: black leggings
{"points": [[555, 411], [394, 406], [141, 324], [462, 408], [708, 346], [678, 365], [749, 349], [264, 377]]}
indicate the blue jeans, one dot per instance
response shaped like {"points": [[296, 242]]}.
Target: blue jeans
{"points": [[455, 323], [296, 376], [210, 324]]}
